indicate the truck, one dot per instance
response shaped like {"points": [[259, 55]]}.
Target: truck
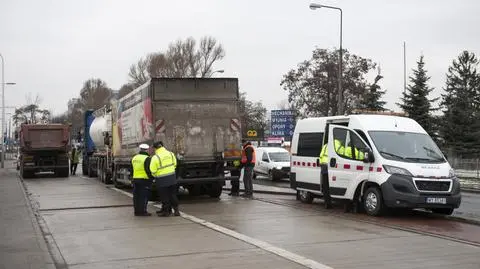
{"points": [[198, 119], [43, 148]]}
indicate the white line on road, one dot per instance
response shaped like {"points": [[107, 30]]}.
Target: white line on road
{"points": [[250, 240]]}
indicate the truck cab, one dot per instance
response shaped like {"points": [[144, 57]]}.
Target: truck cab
{"points": [[384, 161]]}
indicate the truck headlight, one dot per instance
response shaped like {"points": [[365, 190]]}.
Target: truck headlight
{"points": [[396, 170]]}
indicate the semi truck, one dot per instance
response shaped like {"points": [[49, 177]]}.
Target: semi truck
{"points": [[44, 148], [198, 119]]}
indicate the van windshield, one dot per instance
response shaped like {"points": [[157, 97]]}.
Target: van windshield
{"points": [[407, 147], [279, 156]]}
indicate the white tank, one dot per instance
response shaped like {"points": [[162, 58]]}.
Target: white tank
{"points": [[98, 128]]}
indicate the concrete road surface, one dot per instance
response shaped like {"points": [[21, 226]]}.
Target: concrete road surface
{"points": [[93, 227]]}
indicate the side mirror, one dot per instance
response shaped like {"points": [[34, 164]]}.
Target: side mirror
{"points": [[369, 158], [266, 160]]}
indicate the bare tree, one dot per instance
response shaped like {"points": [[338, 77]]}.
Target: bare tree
{"points": [[31, 112], [139, 72], [125, 89], [209, 53], [94, 94]]}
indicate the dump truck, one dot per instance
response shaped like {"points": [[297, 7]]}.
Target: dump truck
{"points": [[198, 119], [44, 148]]}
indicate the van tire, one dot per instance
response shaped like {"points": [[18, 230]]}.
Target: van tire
{"points": [[373, 202], [443, 211], [305, 197]]}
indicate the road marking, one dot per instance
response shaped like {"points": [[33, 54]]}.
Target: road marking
{"points": [[250, 240]]}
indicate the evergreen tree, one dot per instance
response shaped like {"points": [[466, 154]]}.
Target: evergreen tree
{"points": [[461, 104], [415, 100], [371, 100]]}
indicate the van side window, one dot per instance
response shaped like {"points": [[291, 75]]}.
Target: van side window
{"points": [[355, 149], [340, 137], [309, 144], [363, 136], [265, 157]]}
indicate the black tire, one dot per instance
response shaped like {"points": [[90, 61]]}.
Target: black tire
{"points": [[373, 202], [305, 197], [116, 184], [443, 211], [270, 176], [215, 190]]}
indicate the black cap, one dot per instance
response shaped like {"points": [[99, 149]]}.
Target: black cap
{"points": [[158, 144]]}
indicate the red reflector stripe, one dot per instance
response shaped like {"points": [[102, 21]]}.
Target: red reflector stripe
{"points": [[371, 169], [379, 169], [303, 163], [359, 168], [309, 164], [346, 166]]}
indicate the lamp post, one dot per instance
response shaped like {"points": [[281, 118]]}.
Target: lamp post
{"points": [[340, 90], [3, 108], [217, 71]]}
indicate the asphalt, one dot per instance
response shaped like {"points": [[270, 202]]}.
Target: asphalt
{"points": [[22, 244], [92, 225]]}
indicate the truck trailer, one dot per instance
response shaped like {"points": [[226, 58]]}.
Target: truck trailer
{"points": [[198, 119], [43, 148]]}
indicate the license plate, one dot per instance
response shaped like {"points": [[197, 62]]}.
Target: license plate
{"points": [[436, 200]]}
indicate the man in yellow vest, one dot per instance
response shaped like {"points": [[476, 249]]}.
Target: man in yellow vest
{"points": [[141, 181], [324, 170], [163, 167]]}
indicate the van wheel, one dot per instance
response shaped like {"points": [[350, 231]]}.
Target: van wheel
{"points": [[373, 202], [271, 177], [305, 197], [443, 211]]}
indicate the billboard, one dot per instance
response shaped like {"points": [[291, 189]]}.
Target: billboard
{"points": [[282, 123]]}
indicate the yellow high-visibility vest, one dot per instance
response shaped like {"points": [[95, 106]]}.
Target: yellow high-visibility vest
{"points": [[163, 163], [324, 153], [138, 163]]}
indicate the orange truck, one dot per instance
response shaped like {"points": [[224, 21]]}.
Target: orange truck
{"points": [[44, 148]]}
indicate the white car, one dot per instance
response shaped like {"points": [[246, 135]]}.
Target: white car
{"points": [[272, 162]]}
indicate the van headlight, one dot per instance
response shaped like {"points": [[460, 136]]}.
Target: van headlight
{"points": [[396, 170], [451, 173]]}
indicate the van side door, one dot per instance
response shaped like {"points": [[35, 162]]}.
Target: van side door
{"points": [[346, 167]]}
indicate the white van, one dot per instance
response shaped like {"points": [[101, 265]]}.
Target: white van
{"points": [[273, 162], [402, 167]]}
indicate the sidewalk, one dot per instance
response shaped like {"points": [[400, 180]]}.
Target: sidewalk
{"points": [[21, 242]]}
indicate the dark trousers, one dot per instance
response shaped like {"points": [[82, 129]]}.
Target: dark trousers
{"points": [[235, 186], [141, 193], [168, 196], [248, 180], [73, 168], [325, 184]]}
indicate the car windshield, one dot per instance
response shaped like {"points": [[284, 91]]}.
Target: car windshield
{"points": [[407, 147], [279, 156]]}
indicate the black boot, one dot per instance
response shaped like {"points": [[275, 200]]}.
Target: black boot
{"points": [[176, 212]]}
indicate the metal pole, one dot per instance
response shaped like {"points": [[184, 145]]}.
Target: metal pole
{"points": [[3, 110], [340, 72], [404, 68]]}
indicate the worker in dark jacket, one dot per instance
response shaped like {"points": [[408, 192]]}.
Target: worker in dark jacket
{"points": [[248, 162], [142, 181]]}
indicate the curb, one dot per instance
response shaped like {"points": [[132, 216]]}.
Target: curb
{"points": [[470, 190], [265, 192]]}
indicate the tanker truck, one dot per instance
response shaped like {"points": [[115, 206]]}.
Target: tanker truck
{"points": [[198, 119], [97, 156]]}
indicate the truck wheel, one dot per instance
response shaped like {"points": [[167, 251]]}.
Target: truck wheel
{"points": [[373, 202], [116, 184], [443, 211], [305, 197], [215, 190]]}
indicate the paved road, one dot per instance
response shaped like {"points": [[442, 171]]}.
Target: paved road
{"points": [[93, 227], [469, 209]]}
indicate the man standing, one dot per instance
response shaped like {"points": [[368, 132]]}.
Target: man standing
{"points": [[74, 160], [141, 181], [248, 162], [163, 166], [324, 170]]}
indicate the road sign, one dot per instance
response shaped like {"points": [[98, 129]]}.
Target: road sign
{"points": [[252, 133], [282, 123]]}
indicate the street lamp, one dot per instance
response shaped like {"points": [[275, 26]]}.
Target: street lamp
{"points": [[340, 90], [217, 71], [3, 108]]}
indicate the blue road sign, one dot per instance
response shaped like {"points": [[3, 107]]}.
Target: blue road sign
{"points": [[282, 123]]}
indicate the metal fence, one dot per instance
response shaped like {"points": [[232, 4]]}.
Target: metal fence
{"points": [[466, 168]]}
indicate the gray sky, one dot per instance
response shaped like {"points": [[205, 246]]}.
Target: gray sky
{"points": [[52, 46]]}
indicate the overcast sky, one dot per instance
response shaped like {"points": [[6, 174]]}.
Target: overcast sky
{"points": [[52, 46]]}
